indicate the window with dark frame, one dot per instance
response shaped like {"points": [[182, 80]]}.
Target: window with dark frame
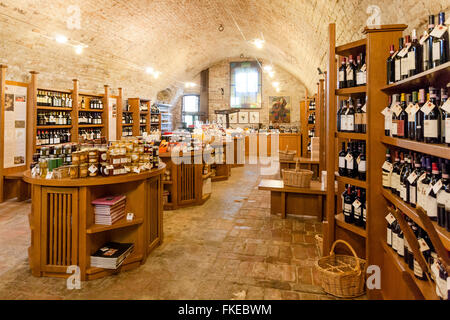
{"points": [[245, 85], [190, 109]]}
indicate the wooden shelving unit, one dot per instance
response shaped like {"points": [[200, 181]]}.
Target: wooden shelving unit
{"points": [[436, 150], [364, 241], [305, 126], [136, 104]]}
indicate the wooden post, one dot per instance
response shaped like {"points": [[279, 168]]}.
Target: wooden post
{"points": [[74, 112], [329, 225], [2, 125], [105, 113], [31, 118], [320, 127], [119, 115]]}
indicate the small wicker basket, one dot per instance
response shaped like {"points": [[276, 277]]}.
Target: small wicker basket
{"points": [[300, 178], [342, 275], [287, 155]]}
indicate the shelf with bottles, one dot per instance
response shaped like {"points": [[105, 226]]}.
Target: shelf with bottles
{"points": [[49, 99], [351, 118], [53, 118], [352, 74], [352, 163], [48, 137], [89, 134], [353, 213]]}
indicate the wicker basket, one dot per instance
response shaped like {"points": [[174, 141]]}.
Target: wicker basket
{"points": [[287, 155], [341, 275], [300, 178]]}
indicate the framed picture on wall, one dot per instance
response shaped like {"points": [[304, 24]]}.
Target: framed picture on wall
{"points": [[280, 109], [254, 117], [234, 118], [243, 117], [221, 118]]}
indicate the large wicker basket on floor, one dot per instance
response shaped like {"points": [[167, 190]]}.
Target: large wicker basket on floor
{"points": [[287, 155], [297, 177], [342, 275]]}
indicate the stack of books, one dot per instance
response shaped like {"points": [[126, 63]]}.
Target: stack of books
{"points": [[109, 209], [111, 255]]}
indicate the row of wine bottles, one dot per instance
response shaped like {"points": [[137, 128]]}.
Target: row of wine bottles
{"points": [[312, 105], [93, 103], [352, 161], [419, 117], [53, 99], [53, 118], [90, 134], [352, 73], [414, 56], [127, 118], [143, 107], [154, 108], [354, 205], [49, 137], [312, 118], [90, 118], [351, 119], [395, 238], [127, 132], [420, 180]]}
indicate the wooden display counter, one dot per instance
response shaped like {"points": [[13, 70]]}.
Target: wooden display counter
{"points": [[187, 185], [290, 140], [305, 163], [296, 201], [62, 218]]}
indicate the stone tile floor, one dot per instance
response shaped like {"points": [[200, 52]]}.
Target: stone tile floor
{"points": [[229, 248]]}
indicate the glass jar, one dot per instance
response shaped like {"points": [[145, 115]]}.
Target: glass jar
{"points": [[83, 172], [74, 172]]}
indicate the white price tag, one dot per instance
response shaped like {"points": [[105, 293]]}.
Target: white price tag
{"points": [[428, 190], [390, 218], [423, 245], [414, 109], [437, 186], [424, 38], [130, 216], [387, 166], [364, 108], [412, 177], [49, 175], [349, 157], [364, 67], [427, 107], [386, 111], [356, 204], [403, 52], [438, 31], [397, 109], [93, 168], [137, 170], [446, 106]]}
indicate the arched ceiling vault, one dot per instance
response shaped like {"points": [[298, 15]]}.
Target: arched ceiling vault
{"points": [[180, 38]]}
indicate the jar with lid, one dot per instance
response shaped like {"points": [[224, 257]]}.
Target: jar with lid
{"points": [[73, 172], [83, 171]]}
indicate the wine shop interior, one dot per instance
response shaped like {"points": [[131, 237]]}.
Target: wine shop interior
{"points": [[219, 150]]}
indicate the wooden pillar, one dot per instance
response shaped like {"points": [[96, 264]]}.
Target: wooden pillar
{"points": [[31, 118], [2, 124], [329, 225], [320, 126], [105, 113], [74, 113], [204, 95], [119, 115]]}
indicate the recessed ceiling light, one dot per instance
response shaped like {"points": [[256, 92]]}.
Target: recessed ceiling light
{"points": [[259, 43], [78, 49], [156, 74], [149, 70], [275, 84], [268, 68], [271, 74], [221, 28], [61, 39]]}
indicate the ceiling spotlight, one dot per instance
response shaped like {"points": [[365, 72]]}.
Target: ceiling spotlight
{"points": [[271, 74], [221, 27], [277, 89], [156, 74], [78, 49], [259, 43], [149, 70], [268, 68], [61, 39], [275, 84]]}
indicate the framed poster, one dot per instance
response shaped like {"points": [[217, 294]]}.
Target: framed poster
{"points": [[221, 118], [280, 109], [254, 116], [243, 117], [15, 130], [234, 118]]}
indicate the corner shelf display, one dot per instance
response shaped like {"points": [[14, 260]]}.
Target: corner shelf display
{"points": [[309, 126], [165, 116], [360, 224], [135, 117]]}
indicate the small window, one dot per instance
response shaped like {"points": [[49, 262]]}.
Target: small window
{"points": [[245, 85], [191, 109]]}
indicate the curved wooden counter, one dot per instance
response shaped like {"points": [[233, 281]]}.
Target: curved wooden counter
{"points": [[63, 232]]}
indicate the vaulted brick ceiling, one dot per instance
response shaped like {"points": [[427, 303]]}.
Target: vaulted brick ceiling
{"points": [[180, 38]]}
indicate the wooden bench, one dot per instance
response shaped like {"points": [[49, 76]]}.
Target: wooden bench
{"points": [[14, 186], [305, 163], [296, 201]]}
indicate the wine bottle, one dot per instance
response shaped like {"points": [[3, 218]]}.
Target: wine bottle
{"points": [[351, 73], [440, 42], [427, 46], [358, 117], [404, 61], [412, 109], [402, 119], [361, 73], [395, 177], [443, 116], [349, 160], [432, 201], [350, 116], [414, 56], [431, 119], [420, 117], [412, 179], [442, 196], [390, 64], [395, 232], [357, 209], [348, 206], [362, 162], [398, 61], [342, 162], [404, 183], [343, 74], [395, 111], [387, 171], [388, 118], [400, 244]]}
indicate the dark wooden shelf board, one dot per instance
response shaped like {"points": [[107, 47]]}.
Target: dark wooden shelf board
{"points": [[53, 108], [123, 223], [351, 48], [411, 212], [437, 77], [90, 126], [437, 150], [351, 135], [350, 227], [350, 91], [353, 182], [54, 127]]}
